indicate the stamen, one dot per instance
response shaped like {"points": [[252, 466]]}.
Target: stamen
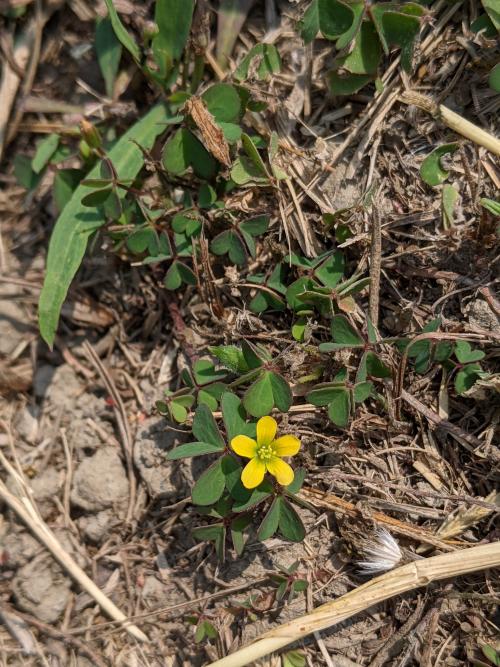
{"points": [[265, 452]]}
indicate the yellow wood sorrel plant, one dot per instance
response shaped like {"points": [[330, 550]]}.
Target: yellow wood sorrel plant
{"points": [[233, 497]]}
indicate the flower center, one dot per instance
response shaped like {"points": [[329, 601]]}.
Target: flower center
{"points": [[265, 452]]}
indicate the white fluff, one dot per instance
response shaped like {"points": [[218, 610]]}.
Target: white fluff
{"points": [[382, 553]]}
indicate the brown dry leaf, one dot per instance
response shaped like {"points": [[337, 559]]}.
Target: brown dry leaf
{"points": [[465, 517], [212, 135]]}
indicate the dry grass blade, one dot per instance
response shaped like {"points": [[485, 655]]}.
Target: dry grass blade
{"points": [[452, 120], [403, 579], [336, 504], [464, 518], [25, 508]]}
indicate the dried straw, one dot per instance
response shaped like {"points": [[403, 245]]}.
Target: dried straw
{"points": [[403, 579]]}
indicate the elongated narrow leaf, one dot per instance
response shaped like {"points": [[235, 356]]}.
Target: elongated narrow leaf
{"points": [[193, 449], [76, 222], [109, 52], [45, 150], [122, 33], [173, 18]]}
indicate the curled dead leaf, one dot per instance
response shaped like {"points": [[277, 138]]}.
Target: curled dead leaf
{"points": [[211, 134]]}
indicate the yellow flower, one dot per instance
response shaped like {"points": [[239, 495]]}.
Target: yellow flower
{"points": [[265, 453]]}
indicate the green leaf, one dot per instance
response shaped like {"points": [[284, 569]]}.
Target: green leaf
{"points": [[366, 54], [231, 357], [488, 651], [282, 393], [238, 525], [109, 53], [210, 486], [335, 18], [494, 78], [324, 393], [252, 152], [206, 196], [76, 223], [270, 522], [65, 183], [229, 243], [173, 278], [466, 378], [339, 409], [483, 23], [298, 480], [256, 226], [204, 372], [185, 224], [362, 391], [347, 84], [193, 449], [493, 9], [299, 328], [270, 390], [223, 102], [254, 356], [297, 288], [97, 198], [490, 205], [205, 428], [253, 497], [231, 131], [259, 399], [309, 24], [24, 173], [173, 18], [178, 412], [234, 415], [44, 151], [294, 659], [214, 533], [398, 28], [449, 198], [331, 270], [268, 59], [122, 34], [344, 333], [290, 523], [140, 240], [465, 354], [244, 171], [431, 170], [184, 150], [375, 367]]}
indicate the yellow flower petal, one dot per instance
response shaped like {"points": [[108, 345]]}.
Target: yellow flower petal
{"points": [[266, 430], [253, 473], [287, 445], [281, 470], [244, 446]]}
